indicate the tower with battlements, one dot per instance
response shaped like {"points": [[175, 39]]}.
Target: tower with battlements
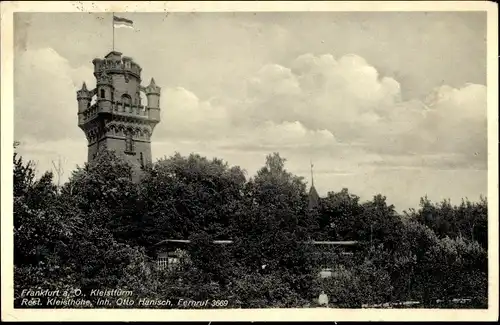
{"points": [[112, 115]]}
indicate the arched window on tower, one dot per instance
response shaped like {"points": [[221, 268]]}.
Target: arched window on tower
{"points": [[141, 159], [126, 100], [103, 93]]}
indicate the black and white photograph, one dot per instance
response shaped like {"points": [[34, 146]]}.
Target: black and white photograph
{"points": [[234, 159]]}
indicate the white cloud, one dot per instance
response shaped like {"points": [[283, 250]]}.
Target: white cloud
{"points": [[340, 112], [184, 115], [46, 153], [343, 96], [348, 98], [317, 103], [281, 136], [45, 95], [273, 80]]}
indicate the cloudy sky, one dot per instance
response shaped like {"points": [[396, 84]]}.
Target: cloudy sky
{"points": [[381, 102]]}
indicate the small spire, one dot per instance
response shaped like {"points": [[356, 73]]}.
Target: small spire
{"points": [[313, 194], [84, 86], [152, 88]]}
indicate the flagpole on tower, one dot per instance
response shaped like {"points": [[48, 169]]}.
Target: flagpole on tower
{"points": [[119, 22]]}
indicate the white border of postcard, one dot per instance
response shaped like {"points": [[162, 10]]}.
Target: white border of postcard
{"points": [[312, 314]]}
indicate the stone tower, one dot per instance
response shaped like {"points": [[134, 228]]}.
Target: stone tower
{"points": [[118, 120]]}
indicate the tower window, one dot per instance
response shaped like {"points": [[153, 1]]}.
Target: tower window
{"points": [[129, 143], [142, 160], [127, 101], [103, 93]]}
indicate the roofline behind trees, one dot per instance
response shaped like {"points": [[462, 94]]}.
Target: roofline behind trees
{"points": [[312, 242]]}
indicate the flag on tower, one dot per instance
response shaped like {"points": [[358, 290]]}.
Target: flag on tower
{"points": [[119, 22]]}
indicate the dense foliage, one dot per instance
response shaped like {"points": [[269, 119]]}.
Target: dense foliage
{"points": [[99, 230]]}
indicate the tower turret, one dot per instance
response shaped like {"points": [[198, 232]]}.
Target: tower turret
{"points": [[84, 97], [118, 121], [104, 92], [153, 96]]}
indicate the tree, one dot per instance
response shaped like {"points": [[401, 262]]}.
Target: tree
{"points": [[63, 241], [24, 175], [104, 191], [340, 216], [385, 224], [38, 221], [468, 220], [186, 195], [254, 290], [97, 232], [215, 261], [272, 226], [457, 268]]}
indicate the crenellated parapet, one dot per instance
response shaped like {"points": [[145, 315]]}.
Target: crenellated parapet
{"points": [[117, 93], [119, 109], [104, 78], [114, 62]]}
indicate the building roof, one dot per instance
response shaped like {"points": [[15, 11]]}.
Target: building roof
{"points": [[340, 243], [312, 242], [313, 194], [187, 241], [313, 198], [113, 54]]}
